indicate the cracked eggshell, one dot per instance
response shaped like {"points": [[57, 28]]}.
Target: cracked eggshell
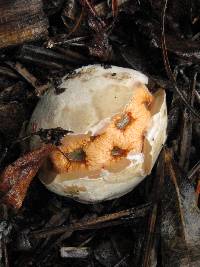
{"points": [[92, 96]]}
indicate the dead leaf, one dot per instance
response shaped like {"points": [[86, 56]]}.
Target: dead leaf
{"points": [[16, 178]]}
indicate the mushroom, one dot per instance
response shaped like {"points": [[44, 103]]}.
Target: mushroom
{"points": [[118, 126]]}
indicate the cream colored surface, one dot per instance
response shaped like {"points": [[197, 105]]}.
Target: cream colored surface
{"points": [[92, 96]]}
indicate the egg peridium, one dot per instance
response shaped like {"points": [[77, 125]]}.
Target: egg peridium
{"points": [[111, 113]]}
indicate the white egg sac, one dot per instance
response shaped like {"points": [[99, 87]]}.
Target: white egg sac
{"points": [[118, 126]]}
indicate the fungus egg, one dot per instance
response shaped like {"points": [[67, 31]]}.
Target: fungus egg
{"points": [[119, 128]]}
